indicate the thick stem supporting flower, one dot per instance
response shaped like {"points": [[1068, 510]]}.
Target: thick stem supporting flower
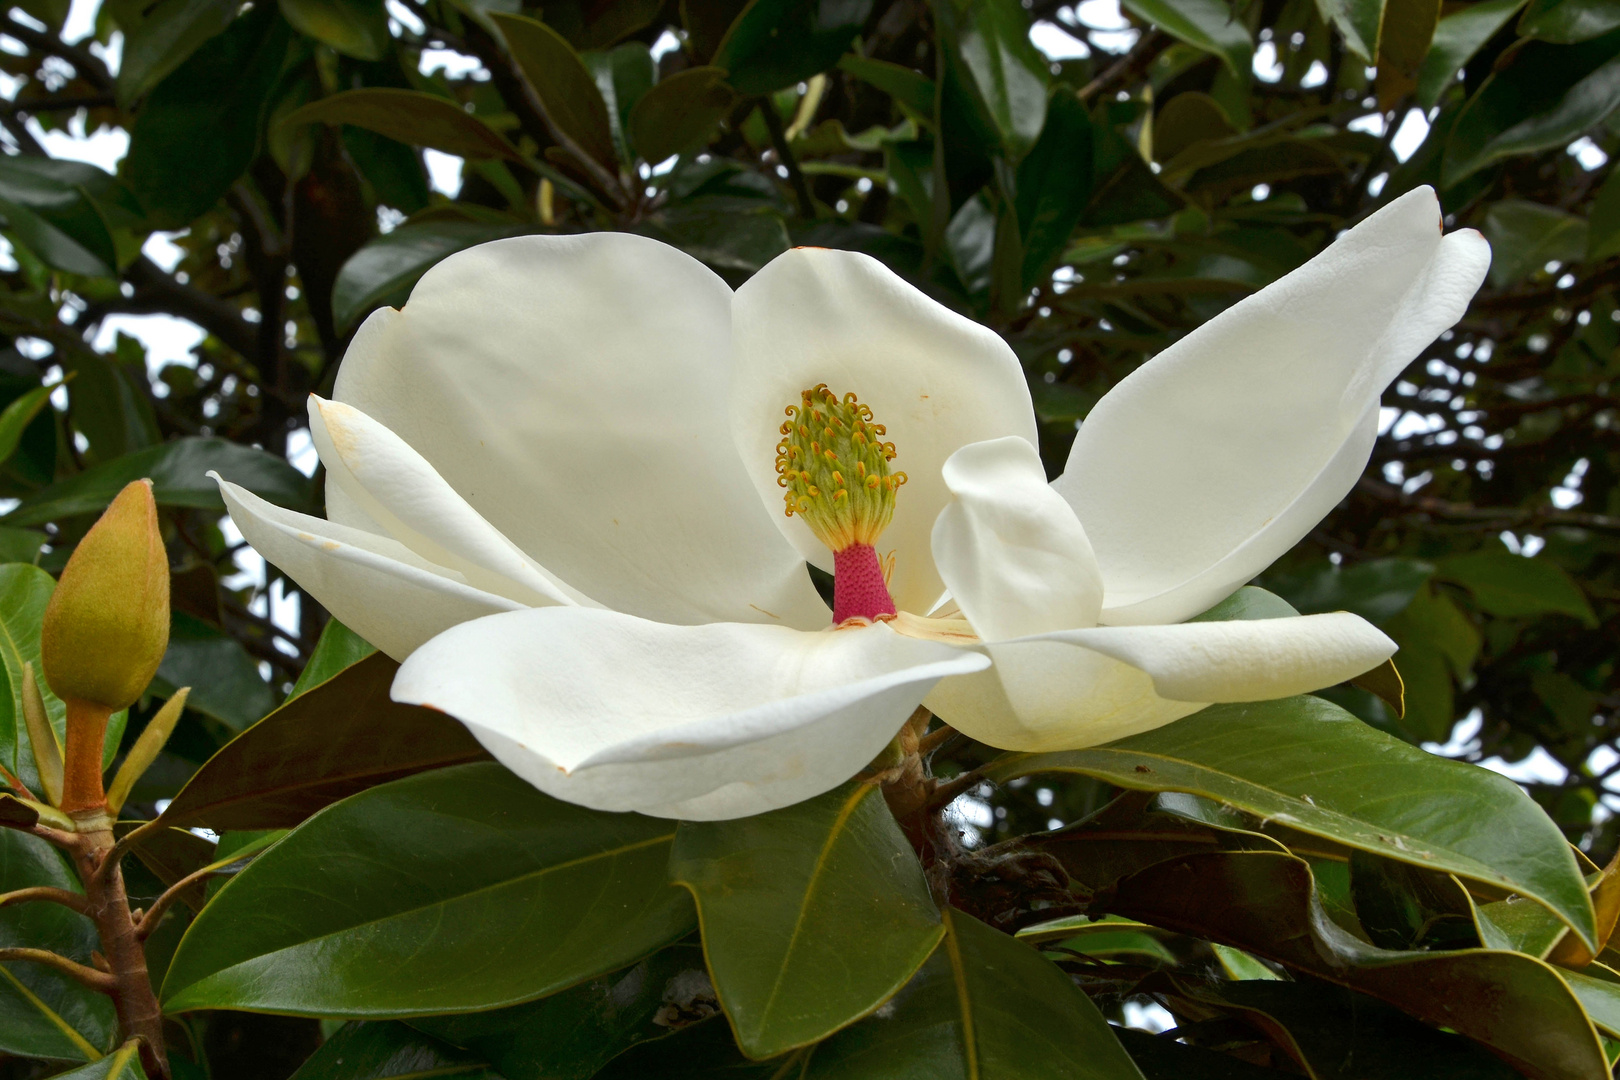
{"points": [[81, 765]]}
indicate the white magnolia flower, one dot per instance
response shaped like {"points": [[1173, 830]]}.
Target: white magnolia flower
{"points": [[556, 485]]}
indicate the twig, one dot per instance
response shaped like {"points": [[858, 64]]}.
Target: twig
{"points": [[947, 792], [153, 915], [93, 71], [1442, 508], [162, 293], [99, 981], [37, 105], [1130, 66], [784, 155], [116, 853], [45, 892]]}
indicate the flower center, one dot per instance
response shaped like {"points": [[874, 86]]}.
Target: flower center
{"points": [[833, 465]]}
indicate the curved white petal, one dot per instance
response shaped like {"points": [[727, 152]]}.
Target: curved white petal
{"points": [[374, 585], [572, 389], [1075, 688], [715, 721], [935, 379], [1010, 549], [396, 487], [1226, 448]]}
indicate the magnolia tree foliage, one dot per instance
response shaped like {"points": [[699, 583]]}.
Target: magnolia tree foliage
{"points": [[1090, 872]]}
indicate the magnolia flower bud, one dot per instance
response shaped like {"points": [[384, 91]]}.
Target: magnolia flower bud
{"points": [[107, 625]]}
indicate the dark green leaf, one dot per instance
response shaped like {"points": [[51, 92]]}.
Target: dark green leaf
{"points": [[123, 1064], [383, 272], [680, 114], [1167, 1059], [357, 28], [572, 1035], [1313, 767], [20, 545], [1377, 590], [42, 1012], [15, 420], [107, 407], [1603, 236], [623, 76], [179, 474], [338, 738], [450, 891], [337, 649], [1516, 1005], [1525, 235], [1511, 585], [910, 88], [776, 43], [1456, 39], [159, 37], [1002, 74], [393, 168], [730, 233], [1568, 21], [1054, 185], [46, 206], [1359, 21], [564, 84], [699, 1052], [1542, 97], [389, 1050], [411, 117], [985, 1007], [1209, 25], [224, 680], [785, 896], [217, 98]]}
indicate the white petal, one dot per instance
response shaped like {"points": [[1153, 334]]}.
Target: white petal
{"points": [[1010, 549], [396, 487], [1077, 688], [376, 586], [1219, 454], [572, 389], [935, 379], [715, 721]]}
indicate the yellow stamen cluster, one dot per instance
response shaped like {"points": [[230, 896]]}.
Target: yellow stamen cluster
{"points": [[834, 466]]}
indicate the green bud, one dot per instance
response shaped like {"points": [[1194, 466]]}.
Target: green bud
{"points": [[107, 625]]}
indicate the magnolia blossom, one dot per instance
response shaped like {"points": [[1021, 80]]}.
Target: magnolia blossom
{"points": [[573, 484]]}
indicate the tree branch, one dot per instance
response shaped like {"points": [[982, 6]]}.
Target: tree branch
{"points": [[99, 981], [153, 915], [45, 892], [784, 155], [164, 294], [93, 71], [1130, 66]]}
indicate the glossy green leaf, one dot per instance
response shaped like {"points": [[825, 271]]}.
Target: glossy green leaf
{"points": [[564, 84], [411, 117], [776, 43], [1311, 766], [1518, 925], [18, 415], [225, 681], [1377, 590], [46, 205], [340, 737], [160, 37], [1456, 39], [910, 88], [573, 1034], [1003, 74], [702, 1051], [1403, 42], [122, 1064], [450, 891], [1511, 585], [393, 169], [1516, 1005], [1568, 21], [179, 474], [623, 76], [1526, 235], [680, 114], [1599, 997], [383, 272], [217, 98], [1603, 236], [1359, 22], [1208, 25], [1542, 97], [785, 896], [985, 1007], [20, 545], [108, 407], [337, 649], [44, 1013], [357, 28], [390, 1050], [1054, 185], [730, 233]]}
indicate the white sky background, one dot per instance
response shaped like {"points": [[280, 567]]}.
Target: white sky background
{"points": [[171, 340]]}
